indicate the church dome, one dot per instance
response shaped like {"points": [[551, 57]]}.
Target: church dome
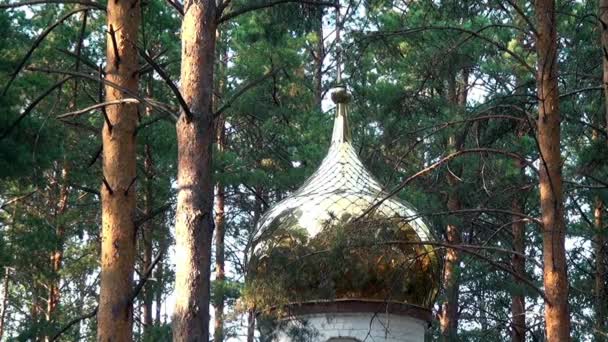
{"points": [[340, 237]]}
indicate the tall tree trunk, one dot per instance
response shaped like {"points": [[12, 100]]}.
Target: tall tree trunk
{"points": [[601, 248], [219, 253], [5, 284], [195, 137], [603, 17], [318, 58], [159, 293], [115, 313], [220, 218], [57, 253], [518, 301], [448, 317], [557, 318], [251, 325], [147, 230], [600, 271]]}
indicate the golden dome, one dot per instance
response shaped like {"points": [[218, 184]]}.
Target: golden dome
{"points": [[321, 227]]}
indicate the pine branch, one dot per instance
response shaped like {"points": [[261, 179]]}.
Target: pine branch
{"points": [[31, 107], [92, 4], [96, 106], [107, 83], [245, 89], [235, 13], [37, 43]]}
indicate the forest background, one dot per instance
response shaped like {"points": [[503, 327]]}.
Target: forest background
{"points": [[457, 107]]}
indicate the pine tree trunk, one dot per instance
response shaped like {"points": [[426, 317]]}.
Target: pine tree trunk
{"points": [[159, 292], [220, 231], [115, 312], [219, 255], [518, 301], [251, 326], [557, 318], [57, 253], [319, 57], [448, 317], [4, 300], [147, 230], [195, 137], [601, 249], [600, 271], [603, 17]]}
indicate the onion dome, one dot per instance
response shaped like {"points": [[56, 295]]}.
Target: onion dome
{"points": [[339, 238]]}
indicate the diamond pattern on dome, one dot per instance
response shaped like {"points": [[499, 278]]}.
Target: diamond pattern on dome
{"points": [[340, 188]]}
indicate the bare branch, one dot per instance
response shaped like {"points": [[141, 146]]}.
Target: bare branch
{"points": [[523, 15], [17, 199], [161, 72], [37, 43], [31, 106], [92, 4], [476, 34], [96, 106], [245, 89], [153, 214], [437, 164], [235, 13], [178, 7], [108, 83], [73, 322], [81, 59]]}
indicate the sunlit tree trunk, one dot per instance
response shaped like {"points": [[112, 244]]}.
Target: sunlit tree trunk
{"points": [[57, 253], [518, 301], [220, 198], [319, 57], [115, 312], [219, 253], [448, 317], [557, 318], [601, 249], [147, 230], [5, 292], [159, 293], [195, 137]]}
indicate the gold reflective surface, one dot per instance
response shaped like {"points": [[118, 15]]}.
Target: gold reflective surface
{"points": [[337, 194]]}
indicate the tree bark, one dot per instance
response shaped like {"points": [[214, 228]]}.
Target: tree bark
{"points": [[601, 249], [518, 301], [219, 252], [159, 293], [251, 325], [600, 271], [557, 318], [195, 137], [57, 253], [319, 58], [147, 230], [115, 313], [220, 219], [4, 300], [448, 317], [603, 18]]}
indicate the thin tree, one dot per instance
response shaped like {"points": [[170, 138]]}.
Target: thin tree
{"points": [[115, 313], [448, 318], [557, 318], [601, 251], [220, 196]]}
